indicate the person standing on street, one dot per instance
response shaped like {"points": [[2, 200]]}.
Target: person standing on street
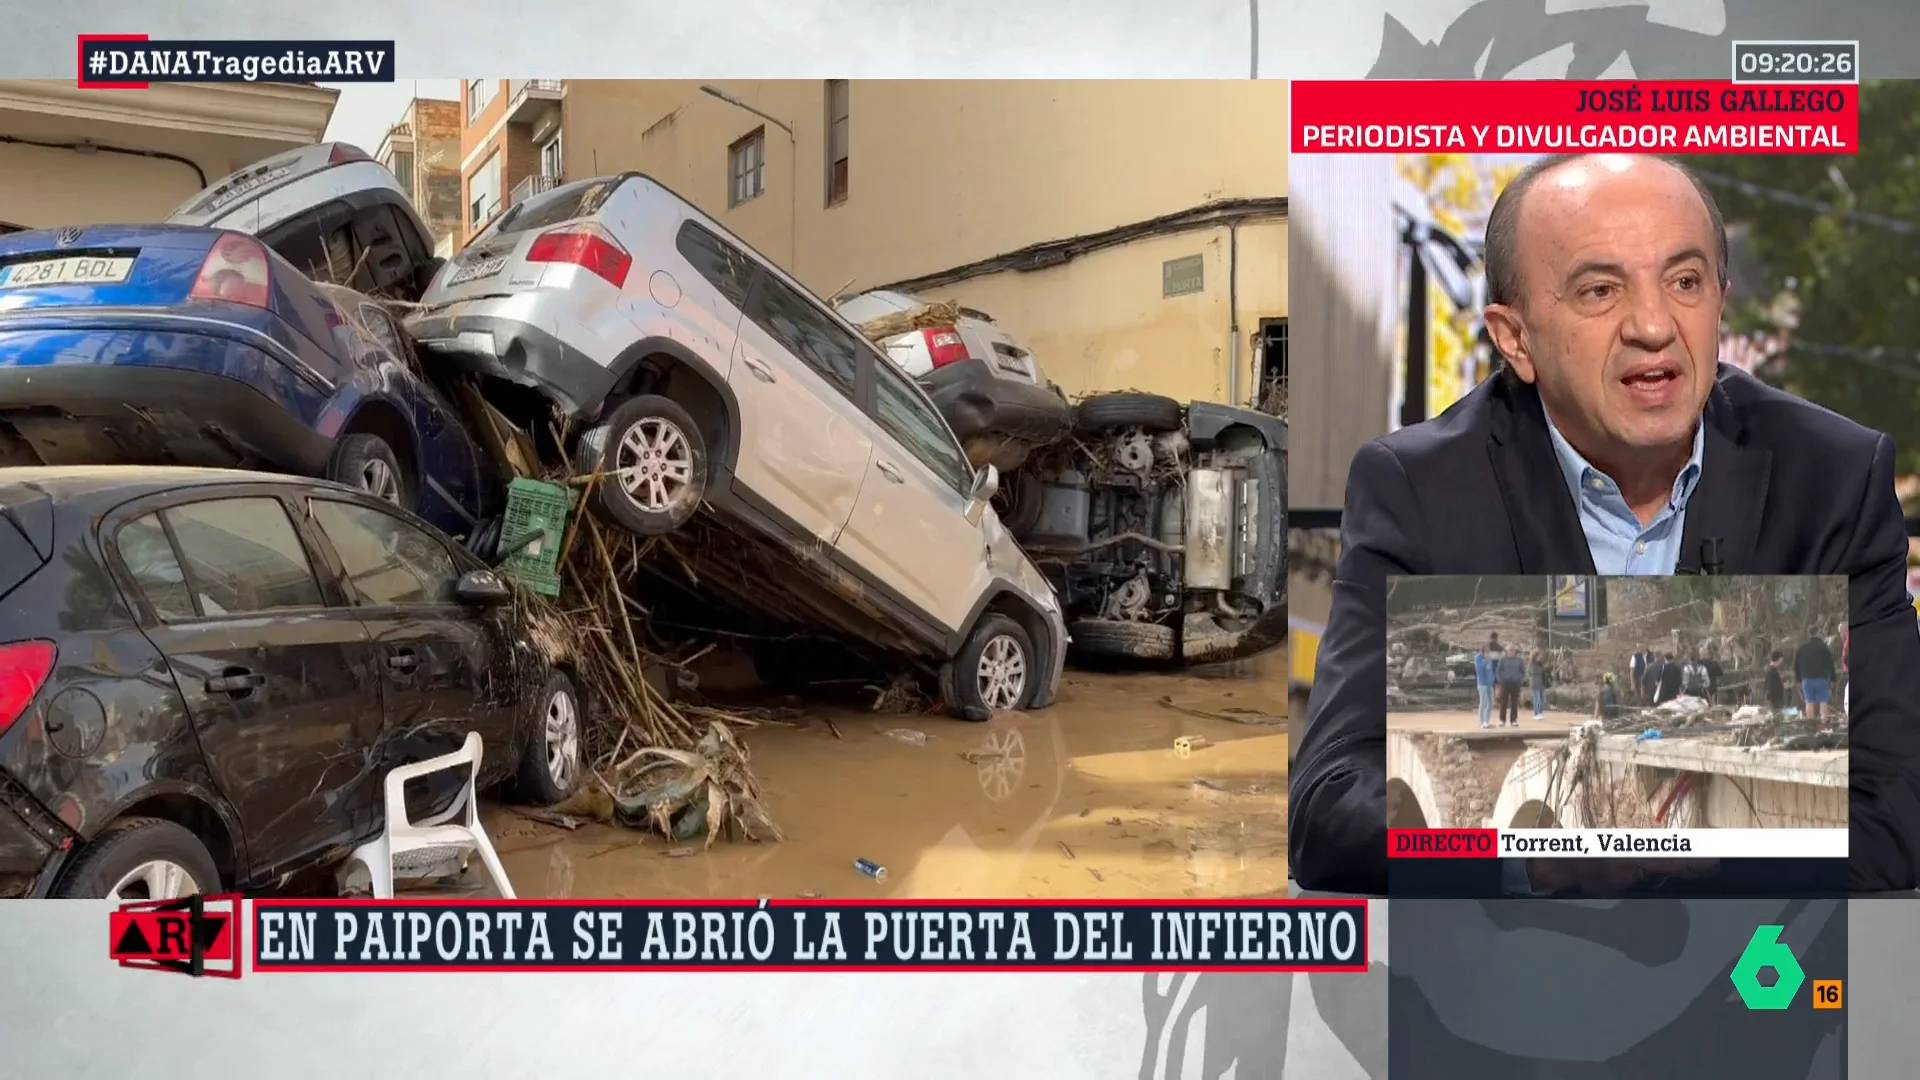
{"points": [[1716, 671], [1695, 681], [1776, 682], [1484, 663], [1537, 682], [1846, 676], [1671, 680], [1637, 673], [1607, 705], [1509, 677], [1813, 667], [1656, 670]]}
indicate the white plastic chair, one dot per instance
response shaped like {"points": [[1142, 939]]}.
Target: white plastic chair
{"points": [[408, 849]]}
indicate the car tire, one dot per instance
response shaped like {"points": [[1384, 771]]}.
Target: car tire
{"points": [[484, 544], [996, 642], [1121, 639], [1020, 503], [650, 433], [1151, 412], [552, 758], [368, 463], [105, 868]]}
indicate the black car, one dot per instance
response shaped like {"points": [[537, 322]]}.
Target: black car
{"points": [[205, 676]]}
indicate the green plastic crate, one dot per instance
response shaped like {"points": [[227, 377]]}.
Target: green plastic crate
{"points": [[536, 524]]}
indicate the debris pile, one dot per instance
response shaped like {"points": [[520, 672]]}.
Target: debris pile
{"points": [[924, 317], [656, 760]]}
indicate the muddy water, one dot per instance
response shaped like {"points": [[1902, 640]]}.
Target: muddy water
{"points": [[1087, 799]]}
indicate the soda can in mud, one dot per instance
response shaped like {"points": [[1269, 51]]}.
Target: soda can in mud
{"points": [[870, 868]]}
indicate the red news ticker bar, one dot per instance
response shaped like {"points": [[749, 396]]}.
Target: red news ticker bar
{"points": [[1443, 843], [88, 84], [1389, 117]]}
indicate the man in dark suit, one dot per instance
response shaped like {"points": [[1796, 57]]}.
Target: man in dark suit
{"points": [[1611, 442]]}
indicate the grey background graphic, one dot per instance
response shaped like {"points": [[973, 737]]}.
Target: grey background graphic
{"points": [[998, 38], [1652, 39], [1623, 990], [73, 1013], [1883, 992]]}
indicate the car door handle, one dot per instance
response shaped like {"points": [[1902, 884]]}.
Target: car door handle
{"points": [[890, 471], [236, 681], [404, 660], [759, 370]]}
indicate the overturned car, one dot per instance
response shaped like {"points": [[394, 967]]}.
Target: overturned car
{"points": [[1162, 527]]}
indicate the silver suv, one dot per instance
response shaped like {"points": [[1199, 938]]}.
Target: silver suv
{"points": [[702, 375]]}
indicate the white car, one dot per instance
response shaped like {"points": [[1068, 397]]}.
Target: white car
{"points": [[987, 385], [700, 375]]}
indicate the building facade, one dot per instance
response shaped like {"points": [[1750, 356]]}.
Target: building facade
{"points": [[423, 153], [1133, 234], [70, 156]]}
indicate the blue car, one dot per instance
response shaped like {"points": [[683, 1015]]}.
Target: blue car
{"points": [[177, 345]]}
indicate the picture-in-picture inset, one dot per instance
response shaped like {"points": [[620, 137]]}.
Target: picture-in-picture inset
{"points": [[1615, 735]]}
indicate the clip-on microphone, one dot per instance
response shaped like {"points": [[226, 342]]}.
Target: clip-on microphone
{"points": [[1710, 556]]}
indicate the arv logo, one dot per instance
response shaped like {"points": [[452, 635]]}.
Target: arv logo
{"points": [[1766, 950]]}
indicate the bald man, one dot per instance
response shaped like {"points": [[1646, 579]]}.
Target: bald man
{"points": [[1612, 441]]}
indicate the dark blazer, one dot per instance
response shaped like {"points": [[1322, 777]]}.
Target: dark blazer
{"points": [[1788, 487]]}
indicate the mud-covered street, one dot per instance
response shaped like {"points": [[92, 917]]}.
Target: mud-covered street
{"points": [[1087, 799]]}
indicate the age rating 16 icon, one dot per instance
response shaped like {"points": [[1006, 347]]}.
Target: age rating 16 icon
{"points": [[1765, 950]]}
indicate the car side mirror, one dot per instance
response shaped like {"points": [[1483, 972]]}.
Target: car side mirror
{"points": [[986, 484], [482, 588]]}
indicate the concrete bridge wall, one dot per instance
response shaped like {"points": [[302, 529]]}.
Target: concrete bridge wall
{"points": [[1449, 781]]}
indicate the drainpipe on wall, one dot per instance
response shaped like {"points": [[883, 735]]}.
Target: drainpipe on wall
{"points": [[1233, 313]]}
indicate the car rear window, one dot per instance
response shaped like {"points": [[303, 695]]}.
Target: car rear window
{"points": [[562, 204]]}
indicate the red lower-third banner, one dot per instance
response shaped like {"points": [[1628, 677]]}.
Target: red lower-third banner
{"points": [[1376, 117]]}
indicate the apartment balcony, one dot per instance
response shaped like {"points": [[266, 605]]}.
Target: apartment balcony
{"points": [[529, 99], [528, 187]]}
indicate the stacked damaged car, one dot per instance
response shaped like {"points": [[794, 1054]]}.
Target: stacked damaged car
{"points": [[259, 466], [1161, 525]]}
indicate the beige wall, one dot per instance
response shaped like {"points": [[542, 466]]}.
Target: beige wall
{"points": [[43, 187], [1100, 322], [944, 173]]}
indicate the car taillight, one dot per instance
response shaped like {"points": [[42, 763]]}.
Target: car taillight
{"points": [[587, 246], [945, 345], [342, 153], [24, 666], [236, 270]]}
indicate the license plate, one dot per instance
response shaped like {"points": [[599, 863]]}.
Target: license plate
{"points": [[1009, 365], [77, 270], [485, 268], [251, 183]]}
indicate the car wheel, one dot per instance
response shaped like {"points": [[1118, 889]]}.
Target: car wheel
{"points": [[484, 544], [551, 765], [653, 462], [1117, 638], [141, 859], [994, 671], [1151, 412], [1019, 503], [367, 462]]}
